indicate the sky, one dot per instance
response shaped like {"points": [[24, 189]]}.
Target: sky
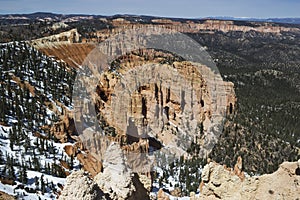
{"points": [[163, 8]]}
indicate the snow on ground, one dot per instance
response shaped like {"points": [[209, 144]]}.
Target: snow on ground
{"points": [[22, 194], [18, 154]]}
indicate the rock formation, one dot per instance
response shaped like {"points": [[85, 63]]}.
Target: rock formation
{"points": [[221, 183], [238, 168], [70, 36], [161, 195], [90, 163], [80, 186], [5, 196], [117, 180], [70, 150], [137, 103], [65, 127], [64, 46]]}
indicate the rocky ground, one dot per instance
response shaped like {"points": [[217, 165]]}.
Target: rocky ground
{"points": [[218, 182]]}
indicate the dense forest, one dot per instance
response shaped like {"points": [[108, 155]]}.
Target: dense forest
{"points": [[31, 83], [265, 70]]}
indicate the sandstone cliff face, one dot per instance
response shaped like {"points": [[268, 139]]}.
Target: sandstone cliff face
{"points": [[65, 127], [220, 182], [144, 99], [64, 46], [220, 25]]}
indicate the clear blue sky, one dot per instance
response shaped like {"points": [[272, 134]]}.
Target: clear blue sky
{"points": [[169, 8]]}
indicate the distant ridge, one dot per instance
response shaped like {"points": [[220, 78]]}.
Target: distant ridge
{"points": [[42, 15], [274, 20]]}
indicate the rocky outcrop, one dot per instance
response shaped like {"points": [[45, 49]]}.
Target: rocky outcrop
{"points": [[70, 36], [220, 182], [5, 196], [64, 46], [65, 127], [237, 170], [117, 180], [80, 186], [70, 150], [161, 195], [90, 163]]}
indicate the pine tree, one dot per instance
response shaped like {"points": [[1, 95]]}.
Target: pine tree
{"points": [[1, 157], [29, 162], [72, 162], [43, 186], [48, 169], [11, 139], [36, 164], [23, 174], [36, 181], [10, 168], [27, 144]]}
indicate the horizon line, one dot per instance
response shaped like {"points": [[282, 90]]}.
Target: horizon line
{"points": [[149, 15]]}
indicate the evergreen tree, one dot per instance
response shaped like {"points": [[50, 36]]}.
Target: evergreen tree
{"points": [[1, 158], [36, 182], [10, 168], [43, 185], [27, 143], [36, 164], [12, 138], [23, 174]]}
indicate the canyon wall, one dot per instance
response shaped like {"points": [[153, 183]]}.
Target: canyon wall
{"points": [[151, 93]]}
